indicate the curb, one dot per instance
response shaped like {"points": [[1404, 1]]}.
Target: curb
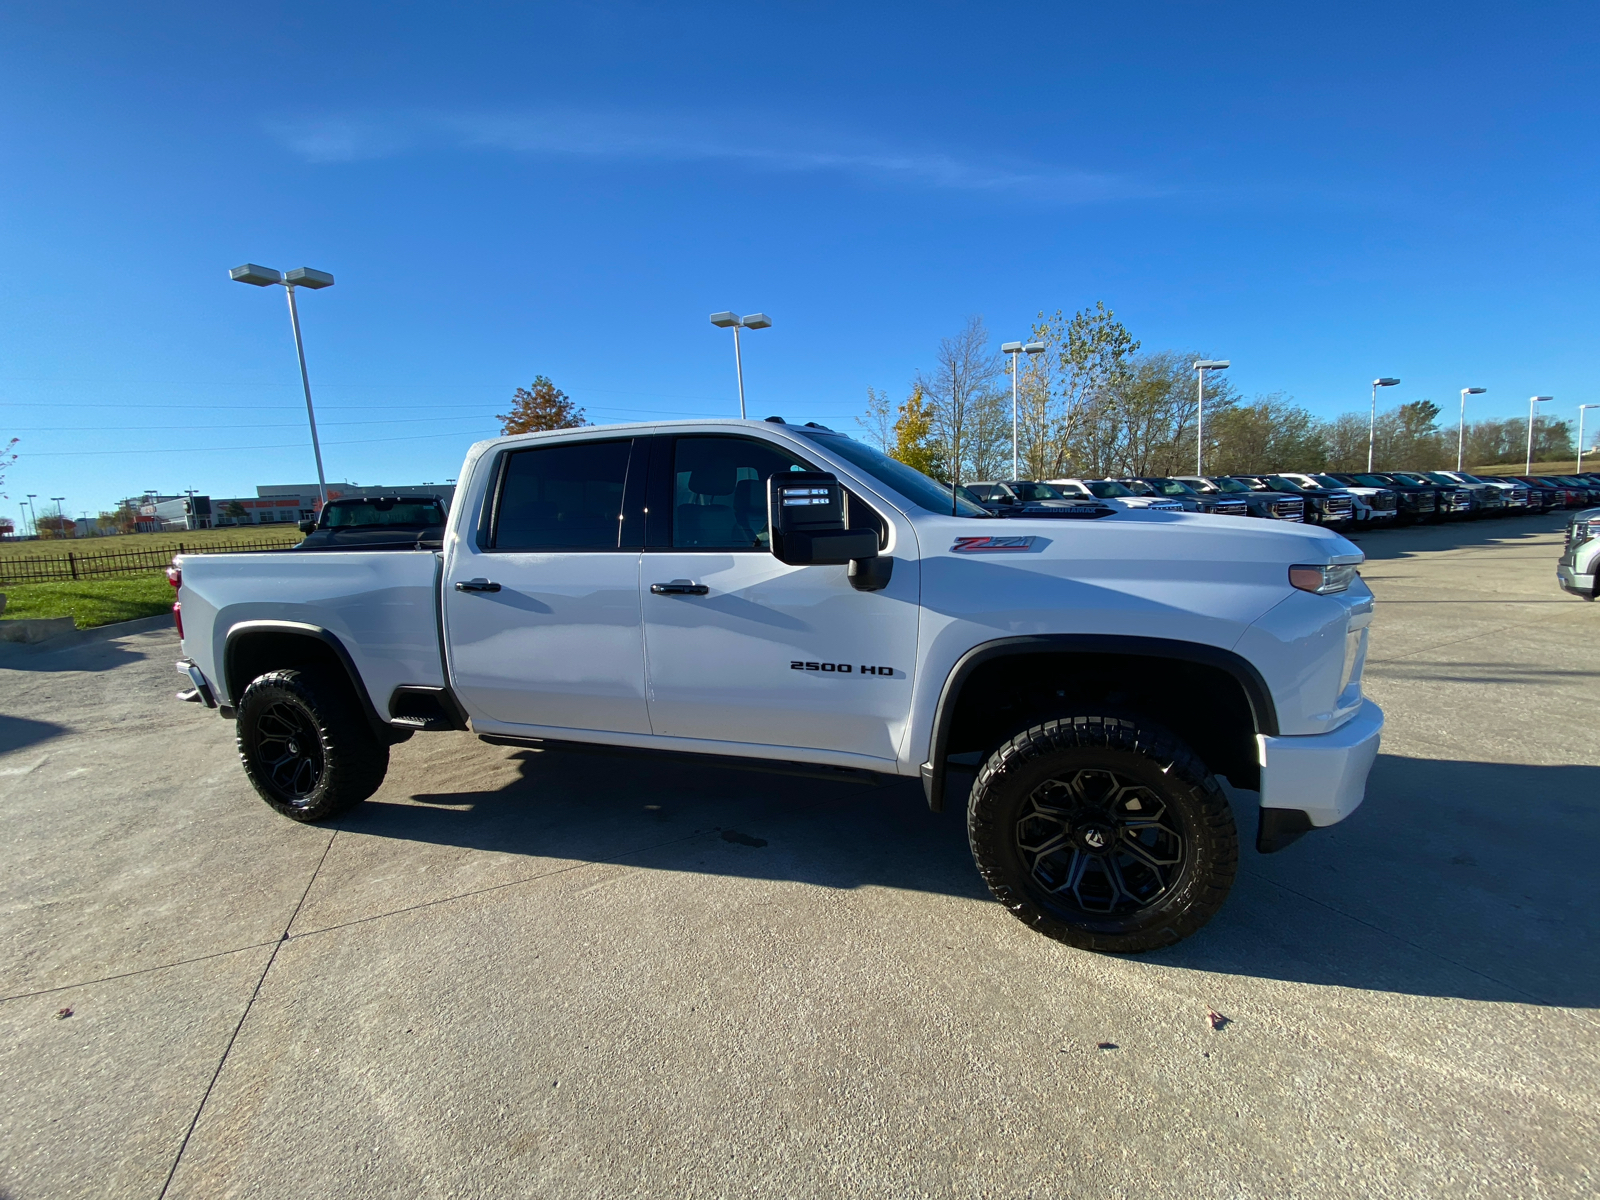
{"points": [[77, 637]]}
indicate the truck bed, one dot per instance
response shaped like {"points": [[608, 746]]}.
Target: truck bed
{"points": [[382, 605]]}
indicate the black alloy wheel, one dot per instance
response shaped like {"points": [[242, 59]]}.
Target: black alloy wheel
{"points": [[289, 751], [305, 744], [1103, 832], [1099, 842]]}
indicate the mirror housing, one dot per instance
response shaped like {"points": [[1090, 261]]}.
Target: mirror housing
{"points": [[307, 526], [805, 514]]}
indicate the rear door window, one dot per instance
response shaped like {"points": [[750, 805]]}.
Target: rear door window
{"points": [[566, 497]]}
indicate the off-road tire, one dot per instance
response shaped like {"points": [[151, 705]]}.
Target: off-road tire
{"points": [[306, 745], [1078, 767]]}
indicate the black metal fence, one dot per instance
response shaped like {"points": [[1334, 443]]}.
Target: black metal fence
{"points": [[72, 565]]}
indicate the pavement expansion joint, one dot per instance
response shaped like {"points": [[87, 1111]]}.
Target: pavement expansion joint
{"points": [[496, 887], [234, 1036], [182, 962]]}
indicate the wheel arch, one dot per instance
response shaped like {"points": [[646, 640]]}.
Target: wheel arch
{"points": [[252, 648], [1245, 706]]}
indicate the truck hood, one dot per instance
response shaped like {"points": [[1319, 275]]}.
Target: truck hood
{"points": [[1178, 575]]}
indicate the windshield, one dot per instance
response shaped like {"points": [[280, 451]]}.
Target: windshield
{"points": [[1410, 478], [1231, 486], [1170, 487], [1441, 477], [895, 475], [1036, 491], [1328, 481], [383, 514], [1372, 480], [1105, 489], [1279, 484]]}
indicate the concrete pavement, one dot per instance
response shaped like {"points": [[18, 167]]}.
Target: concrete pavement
{"points": [[517, 973]]}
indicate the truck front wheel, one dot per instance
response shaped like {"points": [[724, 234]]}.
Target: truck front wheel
{"points": [[1103, 832], [305, 745]]}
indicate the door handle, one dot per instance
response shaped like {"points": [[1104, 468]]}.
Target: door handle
{"points": [[679, 587], [477, 585]]}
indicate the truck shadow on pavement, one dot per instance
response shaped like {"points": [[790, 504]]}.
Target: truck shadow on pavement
{"points": [[1455, 879]]}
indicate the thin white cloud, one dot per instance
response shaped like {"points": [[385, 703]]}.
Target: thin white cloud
{"points": [[642, 138]]}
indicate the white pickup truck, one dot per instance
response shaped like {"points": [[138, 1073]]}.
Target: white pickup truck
{"points": [[778, 593]]}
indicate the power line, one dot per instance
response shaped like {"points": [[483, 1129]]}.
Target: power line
{"points": [[251, 449]]}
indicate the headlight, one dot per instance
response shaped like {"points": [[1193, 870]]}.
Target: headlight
{"points": [[1325, 580]]}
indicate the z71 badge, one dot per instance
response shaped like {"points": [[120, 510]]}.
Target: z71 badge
{"points": [[967, 545], [841, 668]]}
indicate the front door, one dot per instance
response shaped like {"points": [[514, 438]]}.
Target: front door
{"points": [[541, 610], [766, 654]]}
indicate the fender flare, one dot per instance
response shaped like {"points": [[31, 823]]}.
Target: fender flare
{"points": [[317, 633], [1262, 711]]}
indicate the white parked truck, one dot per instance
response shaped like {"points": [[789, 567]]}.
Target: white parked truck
{"points": [[776, 593]]}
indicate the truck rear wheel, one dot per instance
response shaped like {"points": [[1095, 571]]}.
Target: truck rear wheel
{"points": [[306, 746], [1103, 832]]}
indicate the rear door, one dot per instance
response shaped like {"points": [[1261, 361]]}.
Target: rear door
{"points": [[743, 648], [541, 606]]}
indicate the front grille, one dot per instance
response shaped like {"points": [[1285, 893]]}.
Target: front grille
{"points": [[1462, 498], [1519, 496], [1231, 508], [1385, 502], [1166, 506], [1289, 510], [1339, 506]]}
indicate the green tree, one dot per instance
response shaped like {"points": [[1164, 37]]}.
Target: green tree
{"points": [[1087, 358], [540, 407], [913, 441], [1272, 433], [1407, 438]]}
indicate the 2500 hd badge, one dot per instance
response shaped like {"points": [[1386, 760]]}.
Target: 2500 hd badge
{"points": [[840, 668]]}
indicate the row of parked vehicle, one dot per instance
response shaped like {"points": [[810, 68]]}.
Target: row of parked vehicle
{"points": [[1337, 500]]}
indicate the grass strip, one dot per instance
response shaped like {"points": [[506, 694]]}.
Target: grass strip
{"points": [[91, 602]]}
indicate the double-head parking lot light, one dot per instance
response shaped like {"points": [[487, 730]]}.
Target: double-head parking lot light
{"points": [[1014, 349], [1372, 423], [1201, 367], [733, 321], [300, 277], [1532, 400]]}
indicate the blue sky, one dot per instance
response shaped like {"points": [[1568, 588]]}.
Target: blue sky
{"points": [[504, 191]]}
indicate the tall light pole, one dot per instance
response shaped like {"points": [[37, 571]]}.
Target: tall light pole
{"points": [[1014, 349], [1461, 430], [1372, 423], [1579, 469], [61, 516], [33, 512], [1532, 400], [728, 320], [300, 277], [1201, 367]]}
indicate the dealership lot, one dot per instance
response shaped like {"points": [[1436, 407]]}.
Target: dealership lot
{"points": [[516, 972]]}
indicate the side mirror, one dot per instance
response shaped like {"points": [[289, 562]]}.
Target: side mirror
{"points": [[1006, 499], [805, 513], [307, 526]]}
